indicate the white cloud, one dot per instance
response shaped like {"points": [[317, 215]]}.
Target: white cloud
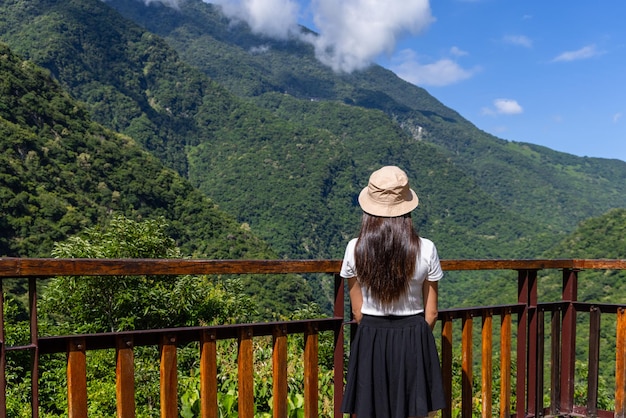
{"points": [[458, 52], [617, 117], [274, 18], [507, 106], [518, 40], [586, 52], [439, 73], [503, 107], [354, 33]]}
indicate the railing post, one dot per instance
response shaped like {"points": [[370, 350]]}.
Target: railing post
{"points": [[245, 360], [169, 377], [76, 379], [522, 339], [466, 367], [446, 363], [34, 341], [208, 375], [540, 363], [125, 377], [3, 358], [311, 372], [533, 350], [555, 358], [594, 361], [505, 364], [620, 365], [487, 366], [568, 341], [279, 371], [338, 362]]}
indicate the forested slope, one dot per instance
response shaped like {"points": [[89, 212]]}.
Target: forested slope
{"points": [[61, 172], [535, 182]]}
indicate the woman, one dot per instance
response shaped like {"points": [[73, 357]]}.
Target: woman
{"points": [[392, 276]]}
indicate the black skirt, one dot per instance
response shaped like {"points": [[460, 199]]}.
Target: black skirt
{"points": [[393, 370]]}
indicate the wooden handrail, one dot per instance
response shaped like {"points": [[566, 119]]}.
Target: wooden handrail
{"points": [[50, 267]]}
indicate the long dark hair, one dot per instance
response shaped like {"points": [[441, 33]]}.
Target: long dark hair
{"points": [[386, 255]]}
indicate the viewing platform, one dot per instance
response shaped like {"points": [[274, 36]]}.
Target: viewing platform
{"points": [[534, 342]]}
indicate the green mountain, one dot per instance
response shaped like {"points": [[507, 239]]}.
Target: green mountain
{"points": [[285, 145], [61, 172], [533, 181]]}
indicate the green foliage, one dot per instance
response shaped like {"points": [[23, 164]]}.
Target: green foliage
{"points": [[100, 304]]}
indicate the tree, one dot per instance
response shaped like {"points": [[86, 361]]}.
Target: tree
{"points": [[101, 304]]}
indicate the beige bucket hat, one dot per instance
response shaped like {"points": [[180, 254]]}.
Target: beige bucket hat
{"points": [[388, 193]]}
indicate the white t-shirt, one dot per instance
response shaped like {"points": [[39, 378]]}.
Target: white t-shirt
{"points": [[411, 303]]}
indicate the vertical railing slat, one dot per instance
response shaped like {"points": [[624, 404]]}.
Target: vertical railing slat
{"points": [[555, 359], [76, 379], [245, 359], [539, 381], [169, 377], [338, 361], [34, 340], [568, 342], [446, 363], [279, 371], [522, 339], [505, 364], [620, 365], [3, 358], [532, 370], [466, 366], [311, 372], [594, 361], [208, 375], [486, 367], [125, 377]]}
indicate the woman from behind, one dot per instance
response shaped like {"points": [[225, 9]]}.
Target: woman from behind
{"points": [[392, 273]]}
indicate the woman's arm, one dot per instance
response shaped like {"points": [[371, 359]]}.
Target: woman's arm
{"points": [[431, 300], [356, 298]]}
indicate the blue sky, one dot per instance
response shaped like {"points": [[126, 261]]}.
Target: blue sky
{"points": [[551, 72], [547, 72]]}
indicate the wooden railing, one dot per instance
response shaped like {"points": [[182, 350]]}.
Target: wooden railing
{"points": [[521, 342]]}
